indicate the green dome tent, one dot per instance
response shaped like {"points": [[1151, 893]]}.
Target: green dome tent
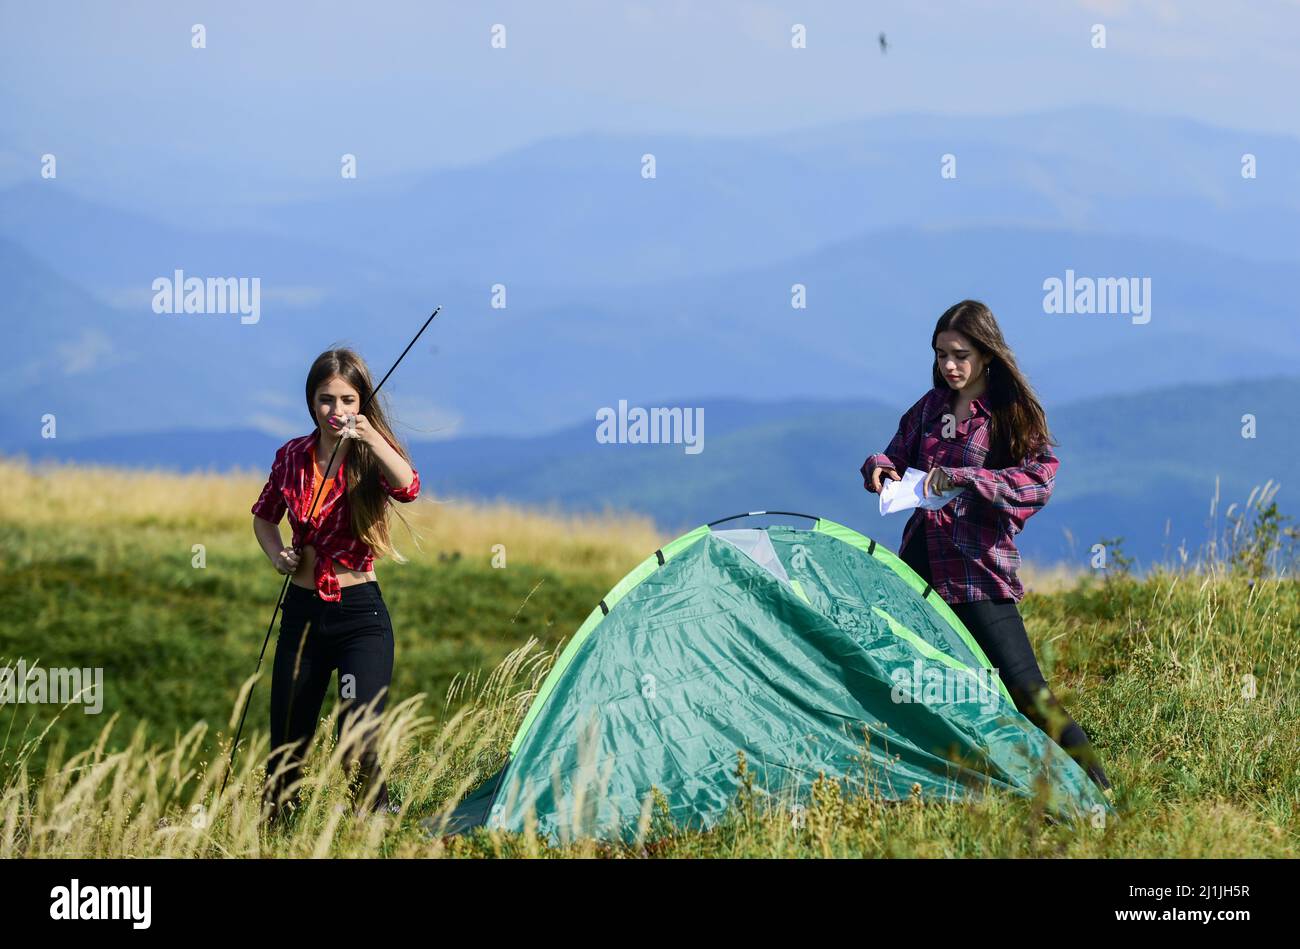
{"points": [[809, 650]]}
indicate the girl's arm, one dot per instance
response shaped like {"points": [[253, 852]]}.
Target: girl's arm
{"points": [[284, 559], [270, 505], [268, 535], [900, 451], [267, 511], [396, 474], [1016, 492]]}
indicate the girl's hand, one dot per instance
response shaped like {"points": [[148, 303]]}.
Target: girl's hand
{"points": [[286, 561], [878, 474], [360, 429], [936, 482]]}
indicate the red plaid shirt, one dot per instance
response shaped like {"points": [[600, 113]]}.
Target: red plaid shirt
{"points": [[292, 487], [972, 552]]}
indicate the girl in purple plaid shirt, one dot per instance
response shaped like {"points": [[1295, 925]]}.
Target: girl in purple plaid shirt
{"points": [[981, 428]]}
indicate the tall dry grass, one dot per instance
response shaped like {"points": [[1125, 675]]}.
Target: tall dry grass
{"points": [[167, 801], [1188, 681], [100, 498]]}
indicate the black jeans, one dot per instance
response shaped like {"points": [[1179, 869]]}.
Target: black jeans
{"points": [[1000, 631], [354, 636]]}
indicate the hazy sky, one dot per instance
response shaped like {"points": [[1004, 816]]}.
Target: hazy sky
{"points": [[282, 89]]}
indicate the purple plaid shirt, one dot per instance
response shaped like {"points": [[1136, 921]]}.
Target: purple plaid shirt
{"points": [[972, 552]]}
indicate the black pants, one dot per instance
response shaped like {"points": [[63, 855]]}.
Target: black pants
{"points": [[354, 636], [998, 628]]}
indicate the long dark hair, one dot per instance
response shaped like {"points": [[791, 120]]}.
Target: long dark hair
{"points": [[368, 502], [1019, 424]]}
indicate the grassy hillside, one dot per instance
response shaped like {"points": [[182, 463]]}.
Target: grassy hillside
{"points": [[99, 572]]}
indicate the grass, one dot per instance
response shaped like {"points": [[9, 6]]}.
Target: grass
{"points": [[1186, 680]]}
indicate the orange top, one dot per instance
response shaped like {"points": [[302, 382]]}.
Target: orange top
{"points": [[319, 493]]}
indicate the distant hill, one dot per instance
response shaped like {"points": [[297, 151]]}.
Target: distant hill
{"points": [[1140, 466], [622, 287], [548, 359]]}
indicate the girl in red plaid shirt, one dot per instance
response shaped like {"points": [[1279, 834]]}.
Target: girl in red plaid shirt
{"points": [[980, 427], [334, 613]]}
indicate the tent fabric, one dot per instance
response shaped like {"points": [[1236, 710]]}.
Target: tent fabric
{"points": [[757, 545], [812, 651]]}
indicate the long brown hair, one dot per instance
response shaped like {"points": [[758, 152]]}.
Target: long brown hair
{"points": [[368, 502], [1019, 425]]}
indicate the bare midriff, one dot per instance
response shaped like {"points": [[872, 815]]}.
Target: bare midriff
{"points": [[304, 576]]}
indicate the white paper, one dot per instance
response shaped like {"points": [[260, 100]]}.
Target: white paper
{"points": [[905, 494]]}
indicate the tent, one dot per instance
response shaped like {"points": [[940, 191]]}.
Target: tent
{"points": [[812, 651]]}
